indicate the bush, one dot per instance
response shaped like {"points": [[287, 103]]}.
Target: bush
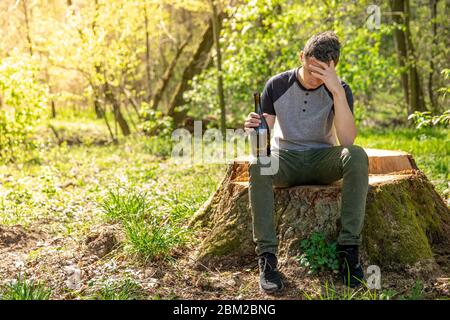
{"points": [[426, 120], [22, 101], [155, 122]]}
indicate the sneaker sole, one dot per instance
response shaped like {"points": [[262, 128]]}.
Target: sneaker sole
{"points": [[271, 291]]}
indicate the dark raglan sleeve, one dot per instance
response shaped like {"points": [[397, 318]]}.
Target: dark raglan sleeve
{"points": [[267, 98], [348, 95]]}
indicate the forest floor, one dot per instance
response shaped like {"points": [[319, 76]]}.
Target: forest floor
{"points": [[64, 225]]}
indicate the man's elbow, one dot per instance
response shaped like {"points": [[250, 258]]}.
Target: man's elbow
{"points": [[347, 143], [349, 140]]}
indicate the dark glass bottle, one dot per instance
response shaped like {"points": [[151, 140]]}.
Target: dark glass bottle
{"points": [[262, 131]]}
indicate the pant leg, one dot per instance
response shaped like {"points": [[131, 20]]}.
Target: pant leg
{"points": [[262, 199], [350, 163]]}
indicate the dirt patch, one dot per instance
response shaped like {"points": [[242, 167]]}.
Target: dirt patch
{"points": [[102, 241], [17, 236]]}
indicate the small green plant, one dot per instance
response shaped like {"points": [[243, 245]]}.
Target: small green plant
{"points": [[150, 232], [330, 292], [125, 204], [127, 289], [23, 289], [416, 292], [388, 294], [425, 119], [155, 122], [445, 90], [318, 254], [153, 240]]}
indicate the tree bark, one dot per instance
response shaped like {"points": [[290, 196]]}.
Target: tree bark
{"points": [[406, 54], [147, 53], [169, 73], [99, 111], [433, 15], [198, 61], [118, 116], [27, 26], [216, 33]]}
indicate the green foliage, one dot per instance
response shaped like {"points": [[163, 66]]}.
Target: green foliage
{"points": [[23, 99], [425, 119], [330, 292], [127, 289], [158, 146], [388, 294], [318, 254], [153, 240], [263, 38], [155, 122], [23, 289], [445, 90], [125, 205], [149, 232], [416, 292]]}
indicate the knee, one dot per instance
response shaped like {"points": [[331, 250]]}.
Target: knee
{"points": [[254, 170], [355, 155], [259, 171]]}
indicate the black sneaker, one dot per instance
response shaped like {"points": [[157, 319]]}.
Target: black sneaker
{"points": [[269, 277], [349, 265]]}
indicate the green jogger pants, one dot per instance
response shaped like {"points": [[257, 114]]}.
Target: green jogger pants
{"points": [[316, 166]]}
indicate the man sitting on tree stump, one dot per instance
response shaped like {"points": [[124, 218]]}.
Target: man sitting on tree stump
{"points": [[301, 106]]}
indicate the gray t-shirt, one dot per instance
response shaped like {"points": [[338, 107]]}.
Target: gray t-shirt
{"points": [[304, 117]]}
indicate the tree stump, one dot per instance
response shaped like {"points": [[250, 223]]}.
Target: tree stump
{"points": [[405, 217]]}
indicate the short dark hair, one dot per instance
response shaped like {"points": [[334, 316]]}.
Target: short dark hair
{"points": [[323, 46]]}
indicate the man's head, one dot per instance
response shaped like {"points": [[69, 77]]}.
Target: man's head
{"points": [[323, 47]]}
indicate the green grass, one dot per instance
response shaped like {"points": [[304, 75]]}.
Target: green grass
{"points": [[126, 289], [416, 292], [429, 147], [125, 205], [155, 239], [155, 217], [64, 190], [65, 187], [23, 289], [147, 233], [328, 291]]}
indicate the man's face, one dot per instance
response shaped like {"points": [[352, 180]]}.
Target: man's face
{"points": [[309, 77]]}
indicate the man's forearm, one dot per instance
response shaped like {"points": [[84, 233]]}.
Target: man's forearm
{"points": [[343, 119]]}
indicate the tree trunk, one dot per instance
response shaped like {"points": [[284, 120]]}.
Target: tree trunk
{"points": [[147, 53], [169, 73], [405, 218], [27, 26], [407, 57], [433, 15], [198, 61], [216, 32], [116, 109]]}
